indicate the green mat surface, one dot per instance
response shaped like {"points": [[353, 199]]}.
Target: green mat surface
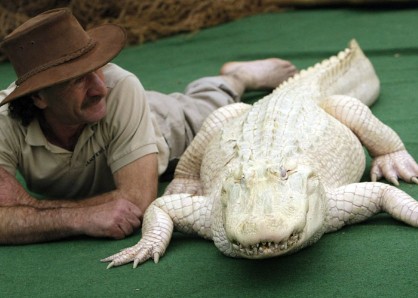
{"points": [[377, 258]]}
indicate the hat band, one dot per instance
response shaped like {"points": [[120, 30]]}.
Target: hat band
{"points": [[91, 43]]}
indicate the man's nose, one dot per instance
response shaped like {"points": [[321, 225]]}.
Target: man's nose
{"points": [[96, 84]]}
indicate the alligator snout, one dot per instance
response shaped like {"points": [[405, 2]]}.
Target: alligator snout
{"points": [[267, 233]]}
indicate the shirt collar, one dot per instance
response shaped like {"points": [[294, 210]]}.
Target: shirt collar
{"points": [[36, 137]]}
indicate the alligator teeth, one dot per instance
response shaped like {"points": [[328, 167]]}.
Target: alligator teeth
{"points": [[266, 247], [341, 55]]}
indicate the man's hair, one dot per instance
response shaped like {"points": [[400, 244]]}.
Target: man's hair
{"points": [[24, 110]]}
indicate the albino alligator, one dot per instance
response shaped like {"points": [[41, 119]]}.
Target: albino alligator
{"points": [[272, 178]]}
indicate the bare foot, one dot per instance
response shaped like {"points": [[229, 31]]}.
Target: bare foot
{"points": [[260, 74]]}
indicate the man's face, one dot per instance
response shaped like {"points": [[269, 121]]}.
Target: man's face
{"points": [[78, 101]]}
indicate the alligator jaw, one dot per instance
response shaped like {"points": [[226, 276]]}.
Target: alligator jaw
{"points": [[266, 249]]}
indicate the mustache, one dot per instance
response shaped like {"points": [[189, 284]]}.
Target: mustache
{"points": [[91, 101]]}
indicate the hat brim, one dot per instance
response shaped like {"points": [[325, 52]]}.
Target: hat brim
{"points": [[110, 40]]}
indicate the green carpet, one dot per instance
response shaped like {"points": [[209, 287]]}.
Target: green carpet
{"points": [[378, 258]]}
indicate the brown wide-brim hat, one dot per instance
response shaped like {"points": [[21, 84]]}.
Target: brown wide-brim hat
{"points": [[52, 48]]}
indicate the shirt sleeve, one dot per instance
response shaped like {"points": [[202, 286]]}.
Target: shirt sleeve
{"points": [[11, 134], [9, 144], [128, 121]]}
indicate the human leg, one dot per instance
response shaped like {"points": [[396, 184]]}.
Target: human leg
{"points": [[179, 116]]}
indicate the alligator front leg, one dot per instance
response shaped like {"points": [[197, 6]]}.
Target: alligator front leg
{"points": [[187, 213], [391, 160], [356, 202], [157, 229]]}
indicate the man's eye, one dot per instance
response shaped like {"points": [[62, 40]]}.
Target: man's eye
{"points": [[79, 80]]}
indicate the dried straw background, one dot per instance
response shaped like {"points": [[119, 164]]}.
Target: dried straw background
{"points": [[147, 20]]}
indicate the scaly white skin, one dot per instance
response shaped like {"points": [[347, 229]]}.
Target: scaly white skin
{"points": [[358, 201], [290, 166]]}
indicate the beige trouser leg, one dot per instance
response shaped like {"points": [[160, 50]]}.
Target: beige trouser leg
{"points": [[180, 115]]}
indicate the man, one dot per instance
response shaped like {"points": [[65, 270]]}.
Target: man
{"points": [[85, 134]]}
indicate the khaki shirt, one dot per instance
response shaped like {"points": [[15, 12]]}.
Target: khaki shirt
{"points": [[127, 133]]}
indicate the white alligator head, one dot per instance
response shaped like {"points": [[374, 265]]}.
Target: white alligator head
{"points": [[269, 210]]}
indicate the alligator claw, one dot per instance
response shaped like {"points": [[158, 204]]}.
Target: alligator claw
{"points": [[393, 166], [156, 257], [393, 180], [137, 254]]}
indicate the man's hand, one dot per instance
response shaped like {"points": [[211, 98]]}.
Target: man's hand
{"points": [[115, 219]]}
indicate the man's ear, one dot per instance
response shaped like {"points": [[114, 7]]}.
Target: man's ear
{"points": [[39, 101]]}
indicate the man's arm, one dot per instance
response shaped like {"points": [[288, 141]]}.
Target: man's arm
{"points": [[115, 214], [136, 182]]}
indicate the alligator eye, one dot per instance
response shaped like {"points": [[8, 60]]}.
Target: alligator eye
{"points": [[283, 173], [242, 181]]}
